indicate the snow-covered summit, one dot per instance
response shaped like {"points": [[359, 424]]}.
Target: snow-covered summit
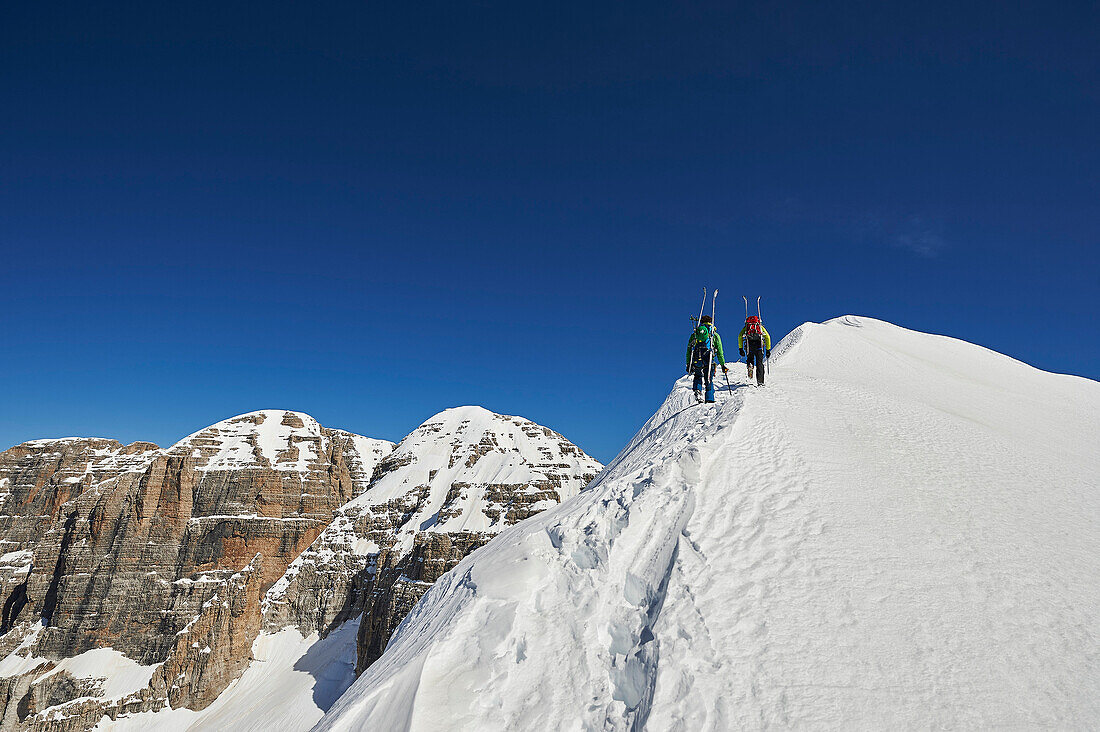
{"points": [[899, 531], [466, 464], [269, 438]]}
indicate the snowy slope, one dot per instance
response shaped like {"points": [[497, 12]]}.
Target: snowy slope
{"points": [[900, 531], [289, 683]]}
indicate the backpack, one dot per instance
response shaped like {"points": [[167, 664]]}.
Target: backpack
{"points": [[703, 334], [754, 330], [704, 344]]}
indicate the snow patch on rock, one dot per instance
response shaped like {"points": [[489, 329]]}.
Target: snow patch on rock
{"points": [[290, 683]]}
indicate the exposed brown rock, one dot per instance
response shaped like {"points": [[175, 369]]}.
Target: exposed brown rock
{"points": [[162, 555]]}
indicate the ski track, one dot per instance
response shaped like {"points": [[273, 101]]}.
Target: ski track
{"points": [[827, 552]]}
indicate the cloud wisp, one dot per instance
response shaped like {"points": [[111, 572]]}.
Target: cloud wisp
{"points": [[920, 238]]}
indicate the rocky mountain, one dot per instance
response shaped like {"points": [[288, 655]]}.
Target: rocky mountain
{"points": [[135, 578], [446, 489]]}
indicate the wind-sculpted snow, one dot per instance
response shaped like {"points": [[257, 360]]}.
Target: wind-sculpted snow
{"points": [[900, 531]]}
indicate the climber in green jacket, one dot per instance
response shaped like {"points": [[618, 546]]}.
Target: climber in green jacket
{"points": [[703, 345]]}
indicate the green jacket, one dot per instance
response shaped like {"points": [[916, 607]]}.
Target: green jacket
{"points": [[716, 341], [767, 338]]}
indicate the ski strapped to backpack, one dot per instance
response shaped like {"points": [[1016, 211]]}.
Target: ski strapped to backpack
{"points": [[710, 346], [703, 336]]}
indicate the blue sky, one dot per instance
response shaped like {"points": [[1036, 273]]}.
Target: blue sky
{"points": [[373, 211]]}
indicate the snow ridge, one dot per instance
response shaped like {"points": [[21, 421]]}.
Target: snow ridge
{"points": [[608, 557], [899, 531]]}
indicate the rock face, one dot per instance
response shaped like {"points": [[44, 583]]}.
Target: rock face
{"points": [[135, 577], [160, 554], [447, 488]]}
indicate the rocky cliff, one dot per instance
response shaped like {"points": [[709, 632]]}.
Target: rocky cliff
{"points": [[161, 555], [135, 578]]}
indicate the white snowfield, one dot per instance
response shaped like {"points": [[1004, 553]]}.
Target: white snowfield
{"points": [[290, 680], [900, 531]]}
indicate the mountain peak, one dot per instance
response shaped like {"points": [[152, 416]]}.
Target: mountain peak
{"points": [[446, 489], [267, 438]]}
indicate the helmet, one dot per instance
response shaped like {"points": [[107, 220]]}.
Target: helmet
{"points": [[705, 319], [752, 319]]}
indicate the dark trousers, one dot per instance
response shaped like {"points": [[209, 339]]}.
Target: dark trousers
{"points": [[705, 375], [756, 358]]}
